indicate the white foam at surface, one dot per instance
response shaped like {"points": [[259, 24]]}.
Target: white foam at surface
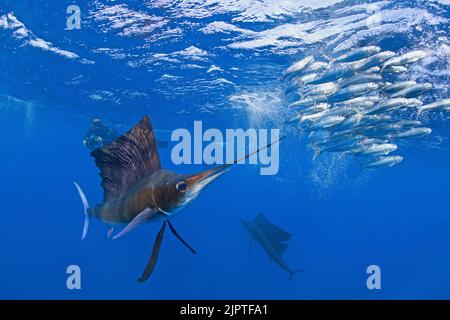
{"points": [[192, 53], [222, 81], [191, 66], [362, 7], [214, 68], [20, 32], [129, 22], [443, 2], [224, 27], [289, 35], [169, 77], [47, 46], [186, 56], [243, 10]]}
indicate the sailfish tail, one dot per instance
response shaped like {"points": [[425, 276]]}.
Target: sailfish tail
{"points": [[86, 210], [292, 273], [317, 151]]}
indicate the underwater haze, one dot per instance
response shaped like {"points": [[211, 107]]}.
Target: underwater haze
{"points": [[221, 62]]}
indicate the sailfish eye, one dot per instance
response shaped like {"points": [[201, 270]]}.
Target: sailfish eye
{"points": [[181, 186]]}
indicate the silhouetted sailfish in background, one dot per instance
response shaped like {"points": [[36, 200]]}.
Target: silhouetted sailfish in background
{"points": [[137, 190], [272, 239]]}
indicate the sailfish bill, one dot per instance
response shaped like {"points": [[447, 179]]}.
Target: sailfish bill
{"points": [[137, 190]]}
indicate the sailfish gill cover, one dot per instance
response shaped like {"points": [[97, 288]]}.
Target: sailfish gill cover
{"points": [[363, 179]]}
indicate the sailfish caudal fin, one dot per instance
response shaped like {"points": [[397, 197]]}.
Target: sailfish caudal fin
{"points": [[86, 208], [317, 151], [292, 273]]}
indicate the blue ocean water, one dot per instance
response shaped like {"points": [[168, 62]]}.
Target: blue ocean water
{"points": [[220, 62]]}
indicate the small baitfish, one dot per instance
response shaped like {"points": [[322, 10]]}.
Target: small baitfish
{"points": [[376, 150], [406, 58], [435, 106], [374, 61], [398, 86], [389, 161], [299, 66], [358, 54], [353, 92], [413, 91], [325, 123], [414, 133]]}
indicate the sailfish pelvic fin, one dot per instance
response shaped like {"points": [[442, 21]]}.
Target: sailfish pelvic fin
{"points": [[154, 257], [175, 233]]}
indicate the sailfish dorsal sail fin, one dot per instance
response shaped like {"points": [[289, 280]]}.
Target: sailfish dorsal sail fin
{"points": [[272, 231], [127, 160], [279, 247]]}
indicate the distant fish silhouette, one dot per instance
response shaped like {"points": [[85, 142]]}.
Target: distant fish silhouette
{"points": [[272, 239]]}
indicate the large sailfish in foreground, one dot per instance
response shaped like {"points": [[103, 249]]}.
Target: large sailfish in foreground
{"points": [[137, 190]]}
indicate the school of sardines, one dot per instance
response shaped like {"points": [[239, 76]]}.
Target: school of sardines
{"points": [[353, 104]]}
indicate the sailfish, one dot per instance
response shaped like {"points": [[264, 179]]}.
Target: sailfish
{"points": [[137, 190], [272, 239]]}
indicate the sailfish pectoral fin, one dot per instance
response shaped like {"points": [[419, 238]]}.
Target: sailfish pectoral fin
{"points": [[110, 232], [137, 221], [154, 257], [175, 233]]}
